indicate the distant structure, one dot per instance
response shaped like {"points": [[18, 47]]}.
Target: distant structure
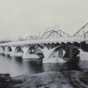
{"points": [[54, 32], [5, 41], [82, 32]]}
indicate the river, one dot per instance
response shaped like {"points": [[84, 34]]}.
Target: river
{"points": [[16, 66]]}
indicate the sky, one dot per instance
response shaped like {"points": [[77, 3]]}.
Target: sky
{"points": [[19, 18]]}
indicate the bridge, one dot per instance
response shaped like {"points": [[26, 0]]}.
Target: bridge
{"points": [[41, 47]]}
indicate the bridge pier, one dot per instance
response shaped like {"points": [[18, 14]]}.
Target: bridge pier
{"points": [[32, 53], [13, 51], [2, 50], [7, 50], [25, 52]]}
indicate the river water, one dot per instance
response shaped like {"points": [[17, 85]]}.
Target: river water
{"points": [[16, 66]]}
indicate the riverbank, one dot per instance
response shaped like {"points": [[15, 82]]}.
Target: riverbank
{"points": [[43, 80], [51, 79]]}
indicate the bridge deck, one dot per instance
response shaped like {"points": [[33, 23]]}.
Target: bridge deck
{"points": [[41, 41]]}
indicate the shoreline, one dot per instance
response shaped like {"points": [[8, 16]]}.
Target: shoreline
{"points": [[51, 79]]}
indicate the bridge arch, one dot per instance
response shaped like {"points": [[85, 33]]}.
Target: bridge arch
{"points": [[64, 52], [9, 48], [33, 51], [18, 49], [59, 50]]}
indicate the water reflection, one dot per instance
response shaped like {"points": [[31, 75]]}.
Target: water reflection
{"points": [[31, 68], [19, 60], [52, 67], [16, 66]]}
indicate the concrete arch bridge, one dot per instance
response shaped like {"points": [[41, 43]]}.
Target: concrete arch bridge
{"points": [[37, 50]]}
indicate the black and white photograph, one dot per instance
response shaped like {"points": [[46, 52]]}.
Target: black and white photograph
{"points": [[43, 43]]}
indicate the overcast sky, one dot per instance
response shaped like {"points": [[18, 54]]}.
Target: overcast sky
{"points": [[27, 17]]}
